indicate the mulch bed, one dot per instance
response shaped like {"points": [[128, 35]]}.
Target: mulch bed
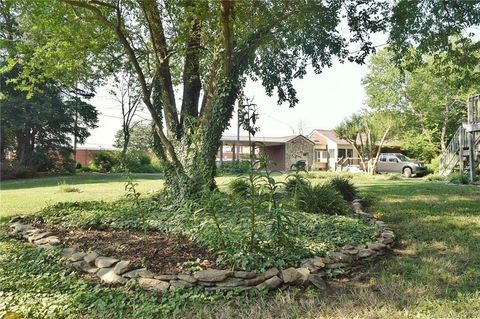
{"points": [[161, 253]]}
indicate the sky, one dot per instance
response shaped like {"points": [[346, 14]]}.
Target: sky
{"points": [[324, 101]]}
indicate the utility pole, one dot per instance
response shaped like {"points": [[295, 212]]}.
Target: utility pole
{"points": [[75, 128], [239, 109]]}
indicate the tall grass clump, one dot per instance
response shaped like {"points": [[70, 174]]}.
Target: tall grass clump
{"points": [[344, 186]]}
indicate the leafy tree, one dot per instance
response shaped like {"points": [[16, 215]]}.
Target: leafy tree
{"points": [[367, 132], [141, 138], [207, 48], [40, 127], [430, 99]]}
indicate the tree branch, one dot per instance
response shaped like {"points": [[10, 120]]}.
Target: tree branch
{"points": [[159, 42], [191, 74]]}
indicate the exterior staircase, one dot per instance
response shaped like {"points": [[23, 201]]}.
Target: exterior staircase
{"points": [[463, 152]]}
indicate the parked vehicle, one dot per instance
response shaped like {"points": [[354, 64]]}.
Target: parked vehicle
{"points": [[399, 163]]}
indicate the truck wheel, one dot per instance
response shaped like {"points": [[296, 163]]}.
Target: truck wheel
{"points": [[407, 171]]}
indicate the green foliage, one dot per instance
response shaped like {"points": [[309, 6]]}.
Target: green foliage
{"points": [[421, 146], [344, 186], [105, 161], [434, 166], [234, 168], [457, 178], [322, 199], [141, 138], [134, 162], [239, 186], [33, 284], [429, 99], [435, 177]]}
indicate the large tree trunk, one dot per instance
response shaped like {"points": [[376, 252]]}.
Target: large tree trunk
{"points": [[25, 146]]}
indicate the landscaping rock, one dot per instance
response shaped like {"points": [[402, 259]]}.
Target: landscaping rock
{"points": [[270, 273], [351, 252], [272, 283], [187, 278], [105, 262], [231, 282], [77, 256], [314, 264], [376, 246], [107, 275], [386, 241], [67, 252], [254, 281], [388, 234], [37, 236], [85, 267], [166, 277], [90, 257], [180, 284], [349, 246], [213, 275], [20, 227], [153, 284], [122, 267], [340, 257], [51, 240], [206, 284], [146, 274], [244, 274], [134, 273], [290, 275], [303, 279], [317, 281], [363, 253], [336, 265]]}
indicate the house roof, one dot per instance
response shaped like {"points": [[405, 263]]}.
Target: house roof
{"points": [[276, 140], [331, 135]]}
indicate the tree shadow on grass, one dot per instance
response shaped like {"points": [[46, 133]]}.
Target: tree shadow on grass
{"points": [[78, 179]]}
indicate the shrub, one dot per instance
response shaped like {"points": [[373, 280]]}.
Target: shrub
{"points": [[139, 162], [344, 187], [434, 166], [435, 177], [239, 186], [294, 186], [234, 168], [105, 161], [458, 178], [322, 199]]}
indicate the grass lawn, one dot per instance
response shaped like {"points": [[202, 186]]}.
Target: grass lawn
{"points": [[433, 273], [26, 196]]}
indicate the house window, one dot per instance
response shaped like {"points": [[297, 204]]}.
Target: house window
{"points": [[349, 153], [342, 153], [321, 156]]}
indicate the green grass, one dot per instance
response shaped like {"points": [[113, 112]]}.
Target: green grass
{"points": [[433, 273], [26, 196]]}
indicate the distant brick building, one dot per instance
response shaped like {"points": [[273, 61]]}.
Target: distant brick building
{"points": [[85, 154]]}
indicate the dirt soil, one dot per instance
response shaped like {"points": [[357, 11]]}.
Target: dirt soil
{"points": [[161, 253]]}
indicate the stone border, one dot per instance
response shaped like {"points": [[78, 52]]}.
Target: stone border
{"points": [[115, 271]]}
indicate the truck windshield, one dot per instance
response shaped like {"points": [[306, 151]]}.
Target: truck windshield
{"points": [[402, 158]]}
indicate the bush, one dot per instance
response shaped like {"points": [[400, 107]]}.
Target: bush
{"points": [[234, 168], [105, 161], [458, 178], [435, 177], [293, 186], [344, 187], [322, 199], [139, 162], [239, 186], [433, 167]]}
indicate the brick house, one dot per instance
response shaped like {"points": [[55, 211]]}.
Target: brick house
{"points": [[321, 150]]}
